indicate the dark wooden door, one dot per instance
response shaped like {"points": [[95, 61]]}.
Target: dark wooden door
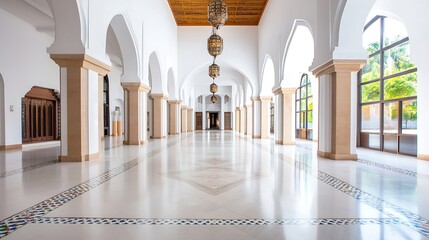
{"points": [[227, 120], [39, 116], [199, 121]]}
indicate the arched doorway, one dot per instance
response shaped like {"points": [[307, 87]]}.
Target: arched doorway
{"points": [[106, 100], [40, 114], [304, 109]]}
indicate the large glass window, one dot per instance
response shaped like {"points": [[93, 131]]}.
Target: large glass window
{"points": [[388, 88], [304, 109]]}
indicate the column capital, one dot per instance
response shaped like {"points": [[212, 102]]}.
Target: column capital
{"points": [[135, 86], [158, 96], [265, 99], [281, 90], [81, 61], [174, 101], [238, 109], [339, 65]]}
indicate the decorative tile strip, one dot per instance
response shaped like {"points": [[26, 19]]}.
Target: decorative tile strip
{"points": [[410, 219], [26, 169], [216, 222], [392, 169], [29, 215]]}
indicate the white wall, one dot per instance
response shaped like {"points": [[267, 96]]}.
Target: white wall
{"points": [[24, 63], [240, 51], [152, 26], [275, 28]]}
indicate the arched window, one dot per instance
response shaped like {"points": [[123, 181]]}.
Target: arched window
{"points": [[388, 89], [304, 109]]}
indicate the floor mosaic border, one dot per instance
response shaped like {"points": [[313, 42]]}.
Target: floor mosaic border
{"points": [[392, 169], [26, 169], [409, 219], [214, 222], [13, 223]]}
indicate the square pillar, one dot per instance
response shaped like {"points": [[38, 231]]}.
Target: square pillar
{"points": [[190, 125], [249, 119], [237, 119], [337, 123], [285, 98], [256, 116], [243, 121], [159, 115], [184, 119], [174, 108], [81, 133], [265, 117], [133, 112]]}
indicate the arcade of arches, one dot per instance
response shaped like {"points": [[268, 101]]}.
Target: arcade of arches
{"points": [[319, 129]]}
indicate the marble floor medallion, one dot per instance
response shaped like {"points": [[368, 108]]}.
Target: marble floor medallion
{"points": [[213, 180]]}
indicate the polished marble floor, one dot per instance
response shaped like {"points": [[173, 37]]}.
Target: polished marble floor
{"points": [[212, 185]]}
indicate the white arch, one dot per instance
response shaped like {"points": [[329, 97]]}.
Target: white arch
{"points": [[268, 77], [171, 84], [223, 65], [127, 44], [2, 113], [299, 54], [353, 19], [155, 75], [70, 30]]}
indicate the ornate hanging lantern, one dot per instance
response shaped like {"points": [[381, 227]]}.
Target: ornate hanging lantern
{"points": [[213, 88], [217, 13], [215, 45], [213, 98], [214, 70]]}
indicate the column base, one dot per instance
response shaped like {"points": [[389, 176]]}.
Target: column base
{"points": [[87, 157], [256, 136], [131, 143], [288, 143], [144, 142], [423, 157], [337, 156], [158, 137], [11, 147], [174, 133]]}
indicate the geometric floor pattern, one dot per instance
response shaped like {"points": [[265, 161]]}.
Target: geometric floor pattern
{"points": [[407, 218], [216, 180]]}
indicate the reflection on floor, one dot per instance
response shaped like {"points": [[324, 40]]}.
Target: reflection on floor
{"points": [[212, 185]]}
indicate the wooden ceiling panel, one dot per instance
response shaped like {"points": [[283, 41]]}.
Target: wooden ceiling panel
{"points": [[240, 12]]}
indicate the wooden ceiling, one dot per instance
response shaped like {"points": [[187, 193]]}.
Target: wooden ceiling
{"points": [[240, 12]]}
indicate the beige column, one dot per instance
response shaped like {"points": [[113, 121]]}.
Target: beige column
{"points": [[184, 119], [174, 108], [287, 115], [237, 119], [256, 117], [265, 117], [190, 125], [249, 119], [75, 70], [242, 120], [158, 116], [339, 136], [133, 106]]}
